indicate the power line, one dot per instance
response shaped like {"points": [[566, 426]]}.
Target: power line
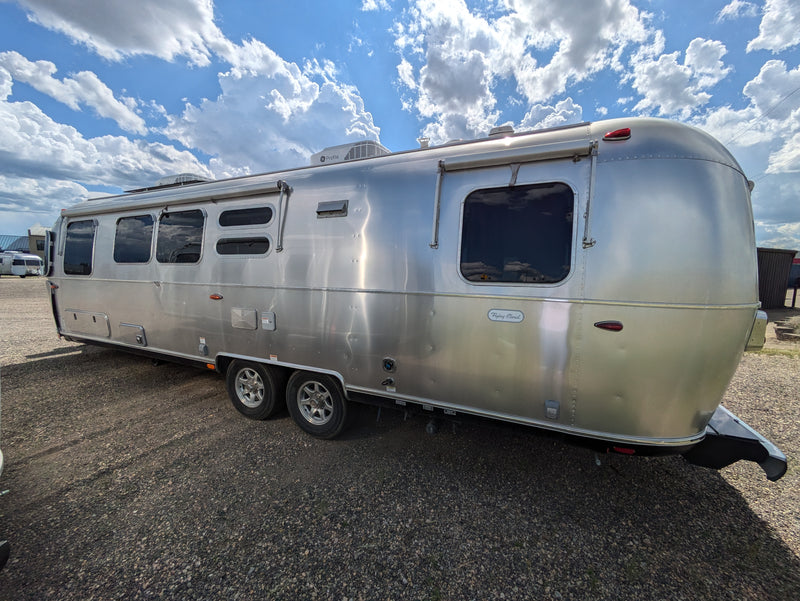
{"points": [[765, 114]]}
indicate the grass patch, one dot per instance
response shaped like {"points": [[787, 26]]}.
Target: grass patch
{"points": [[774, 352]]}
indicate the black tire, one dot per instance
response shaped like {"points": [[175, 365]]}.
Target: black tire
{"points": [[254, 389], [317, 404]]}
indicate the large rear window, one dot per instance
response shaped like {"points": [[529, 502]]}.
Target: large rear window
{"points": [[520, 234]]}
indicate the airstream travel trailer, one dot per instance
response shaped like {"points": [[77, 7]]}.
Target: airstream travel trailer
{"points": [[597, 280], [14, 262]]}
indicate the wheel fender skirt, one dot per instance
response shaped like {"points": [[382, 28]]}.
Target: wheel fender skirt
{"points": [[728, 439]]}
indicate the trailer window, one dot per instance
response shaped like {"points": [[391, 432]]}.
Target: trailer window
{"points": [[252, 216], [519, 234], [78, 247], [134, 239], [243, 246], [180, 237]]}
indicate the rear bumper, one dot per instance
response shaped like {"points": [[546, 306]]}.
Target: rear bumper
{"points": [[758, 333], [728, 439]]}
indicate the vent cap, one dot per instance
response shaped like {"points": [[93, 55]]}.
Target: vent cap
{"points": [[501, 131], [181, 179], [349, 152]]}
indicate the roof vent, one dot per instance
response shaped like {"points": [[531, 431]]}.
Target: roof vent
{"points": [[349, 152], [501, 131], [180, 180], [172, 181]]}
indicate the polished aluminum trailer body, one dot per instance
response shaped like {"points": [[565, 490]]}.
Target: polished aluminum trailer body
{"points": [[366, 279]]}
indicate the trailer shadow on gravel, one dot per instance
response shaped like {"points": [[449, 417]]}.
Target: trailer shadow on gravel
{"points": [[132, 481]]}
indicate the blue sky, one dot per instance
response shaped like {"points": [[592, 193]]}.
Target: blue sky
{"points": [[99, 96]]}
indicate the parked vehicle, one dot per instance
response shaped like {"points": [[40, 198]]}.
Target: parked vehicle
{"points": [[596, 280], [14, 262]]}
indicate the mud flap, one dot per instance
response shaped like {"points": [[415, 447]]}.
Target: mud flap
{"points": [[728, 439]]}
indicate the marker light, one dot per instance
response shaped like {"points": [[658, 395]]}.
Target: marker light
{"points": [[611, 326], [618, 135]]}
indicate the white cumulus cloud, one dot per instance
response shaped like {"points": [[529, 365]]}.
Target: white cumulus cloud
{"points": [[539, 47], [115, 29], [83, 88], [780, 27], [765, 138], [672, 88], [37, 149], [704, 58], [787, 158], [775, 91], [541, 116], [271, 114], [372, 5], [737, 9]]}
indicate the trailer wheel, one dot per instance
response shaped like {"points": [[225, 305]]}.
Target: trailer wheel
{"points": [[253, 389], [317, 404]]}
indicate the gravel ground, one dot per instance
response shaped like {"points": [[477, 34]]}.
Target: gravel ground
{"points": [[129, 481]]}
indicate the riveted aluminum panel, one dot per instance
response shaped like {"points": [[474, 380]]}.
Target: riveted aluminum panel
{"points": [[76, 321]]}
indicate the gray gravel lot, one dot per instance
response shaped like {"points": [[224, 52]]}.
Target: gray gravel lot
{"points": [[132, 481]]}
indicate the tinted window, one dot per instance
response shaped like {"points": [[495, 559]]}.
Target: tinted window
{"points": [[519, 234], [254, 216], [133, 240], [243, 246], [180, 237], [78, 248]]}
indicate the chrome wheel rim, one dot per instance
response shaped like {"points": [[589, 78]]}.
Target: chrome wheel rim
{"points": [[249, 388], [315, 403]]}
